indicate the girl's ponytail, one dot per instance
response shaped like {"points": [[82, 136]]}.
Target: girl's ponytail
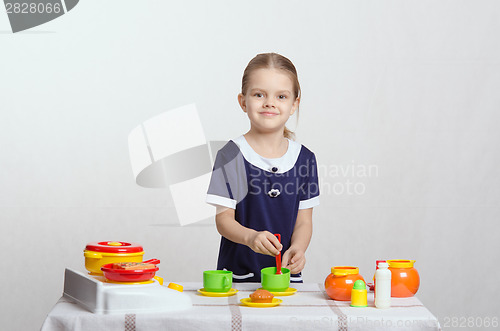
{"points": [[288, 134]]}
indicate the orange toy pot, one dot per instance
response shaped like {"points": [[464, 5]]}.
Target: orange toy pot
{"points": [[405, 279], [100, 253], [339, 283]]}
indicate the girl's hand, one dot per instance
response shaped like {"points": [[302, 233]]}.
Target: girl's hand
{"points": [[264, 242], [294, 259]]}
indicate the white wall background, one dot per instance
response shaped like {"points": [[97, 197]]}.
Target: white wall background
{"points": [[408, 87]]}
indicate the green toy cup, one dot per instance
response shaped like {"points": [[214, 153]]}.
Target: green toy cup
{"points": [[217, 280], [273, 282]]}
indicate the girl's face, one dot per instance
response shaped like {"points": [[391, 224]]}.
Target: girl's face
{"points": [[269, 100]]}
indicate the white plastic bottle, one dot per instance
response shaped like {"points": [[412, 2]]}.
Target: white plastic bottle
{"points": [[383, 286]]}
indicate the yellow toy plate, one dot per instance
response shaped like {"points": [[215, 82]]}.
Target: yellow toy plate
{"points": [[218, 294], [288, 291], [248, 302]]}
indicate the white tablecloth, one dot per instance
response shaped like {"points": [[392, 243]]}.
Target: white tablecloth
{"points": [[309, 308]]}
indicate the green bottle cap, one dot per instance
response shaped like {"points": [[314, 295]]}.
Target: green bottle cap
{"points": [[359, 285]]}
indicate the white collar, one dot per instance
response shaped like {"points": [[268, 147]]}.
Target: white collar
{"points": [[282, 164]]}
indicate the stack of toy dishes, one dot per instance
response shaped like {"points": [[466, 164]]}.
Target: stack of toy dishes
{"points": [[100, 253], [119, 281]]}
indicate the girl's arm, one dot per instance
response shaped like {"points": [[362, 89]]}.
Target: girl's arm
{"points": [[263, 242], [294, 258]]}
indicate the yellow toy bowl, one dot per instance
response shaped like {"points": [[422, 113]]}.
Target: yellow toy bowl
{"points": [[104, 252]]}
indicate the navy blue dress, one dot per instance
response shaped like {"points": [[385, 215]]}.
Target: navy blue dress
{"points": [[266, 195]]}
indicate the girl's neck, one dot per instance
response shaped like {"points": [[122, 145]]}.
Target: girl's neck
{"points": [[268, 145]]}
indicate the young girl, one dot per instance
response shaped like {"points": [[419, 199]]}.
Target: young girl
{"points": [[263, 182]]}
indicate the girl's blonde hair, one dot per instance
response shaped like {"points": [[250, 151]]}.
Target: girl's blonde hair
{"points": [[273, 61]]}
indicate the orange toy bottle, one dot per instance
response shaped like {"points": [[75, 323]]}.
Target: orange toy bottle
{"points": [[405, 278], [339, 283]]}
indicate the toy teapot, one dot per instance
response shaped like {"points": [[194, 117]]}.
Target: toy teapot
{"points": [[339, 283], [405, 278]]}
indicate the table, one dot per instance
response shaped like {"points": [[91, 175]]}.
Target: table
{"points": [[309, 308]]}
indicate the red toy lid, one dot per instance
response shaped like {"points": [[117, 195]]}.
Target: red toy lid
{"points": [[114, 247]]}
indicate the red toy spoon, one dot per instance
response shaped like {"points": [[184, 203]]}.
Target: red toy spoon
{"points": [[278, 257]]}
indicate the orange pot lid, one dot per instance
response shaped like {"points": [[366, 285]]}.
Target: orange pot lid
{"points": [[114, 247], [400, 263]]}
